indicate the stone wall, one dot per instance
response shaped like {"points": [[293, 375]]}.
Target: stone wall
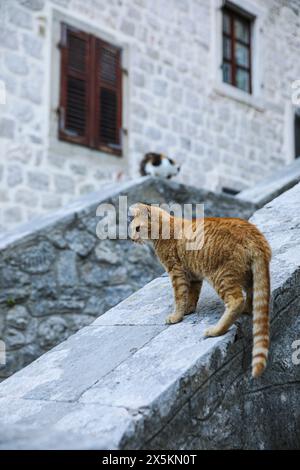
{"points": [[56, 276], [171, 101], [272, 186], [129, 381]]}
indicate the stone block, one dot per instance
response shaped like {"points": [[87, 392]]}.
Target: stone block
{"points": [[9, 38], [160, 87], [128, 27], [38, 180], [19, 17], [51, 332], [32, 91], [12, 216], [34, 259], [153, 133], [80, 242], [18, 317], [64, 184], [7, 128], [14, 175], [34, 5], [64, 305], [26, 197], [108, 252], [51, 202], [14, 338], [16, 63], [33, 46], [66, 269]]}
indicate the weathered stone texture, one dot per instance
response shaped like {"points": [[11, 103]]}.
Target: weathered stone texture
{"points": [[129, 381], [173, 105], [57, 272]]}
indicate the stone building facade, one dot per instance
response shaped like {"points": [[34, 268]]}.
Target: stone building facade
{"points": [[174, 98]]}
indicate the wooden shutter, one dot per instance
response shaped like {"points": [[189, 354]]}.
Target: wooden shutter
{"points": [[75, 89], [91, 92], [108, 97]]}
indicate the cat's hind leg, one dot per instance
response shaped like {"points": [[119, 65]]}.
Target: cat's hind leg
{"points": [[234, 303], [193, 296], [181, 291]]}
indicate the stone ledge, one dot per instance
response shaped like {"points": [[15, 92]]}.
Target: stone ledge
{"points": [[130, 381], [104, 380], [272, 186], [216, 204], [56, 276]]}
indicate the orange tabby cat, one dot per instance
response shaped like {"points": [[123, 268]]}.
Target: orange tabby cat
{"points": [[234, 258]]}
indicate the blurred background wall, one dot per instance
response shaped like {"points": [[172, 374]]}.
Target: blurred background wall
{"points": [[89, 86]]}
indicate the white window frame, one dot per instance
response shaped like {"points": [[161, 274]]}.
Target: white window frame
{"points": [[254, 99]]}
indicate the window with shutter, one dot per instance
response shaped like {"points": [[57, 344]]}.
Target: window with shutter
{"points": [[91, 92], [108, 97], [74, 99], [237, 49]]}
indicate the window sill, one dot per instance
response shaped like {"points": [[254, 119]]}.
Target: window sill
{"points": [[74, 151], [229, 91]]}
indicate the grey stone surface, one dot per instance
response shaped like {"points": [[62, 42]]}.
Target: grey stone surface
{"points": [[14, 175], [16, 64], [13, 214], [64, 184], [33, 46], [34, 5], [20, 17], [8, 38], [272, 186], [38, 180], [18, 317], [112, 349], [31, 91], [129, 381], [64, 276], [7, 128], [173, 108]]}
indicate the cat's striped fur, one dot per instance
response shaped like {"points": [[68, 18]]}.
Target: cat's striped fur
{"points": [[234, 258]]}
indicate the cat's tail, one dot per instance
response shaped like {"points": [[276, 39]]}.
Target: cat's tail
{"points": [[261, 299]]}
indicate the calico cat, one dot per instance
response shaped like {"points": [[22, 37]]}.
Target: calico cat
{"points": [[157, 164], [234, 258]]}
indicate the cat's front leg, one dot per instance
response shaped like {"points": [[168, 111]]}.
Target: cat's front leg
{"points": [[193, 296], [181, 290]]}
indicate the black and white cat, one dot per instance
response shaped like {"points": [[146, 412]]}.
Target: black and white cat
{"points": [[157, 164]]}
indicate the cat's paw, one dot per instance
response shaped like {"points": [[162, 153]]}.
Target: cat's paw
{"points": [[210, 332], [190, 310], [171, 319]]}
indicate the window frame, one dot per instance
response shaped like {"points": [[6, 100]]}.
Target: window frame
{"points": [[234, 15], [297, 134], [92, 139], [217, 86]]}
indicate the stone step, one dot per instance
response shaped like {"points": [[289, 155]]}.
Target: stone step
{"points": [[129, 381], [56, 275], [272, 186]]}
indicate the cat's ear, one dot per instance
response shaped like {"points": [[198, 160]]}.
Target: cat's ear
{"points": [[139, 209], [145, 211], [134, 210]]}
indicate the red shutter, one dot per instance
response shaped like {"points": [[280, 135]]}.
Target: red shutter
{"points": [[108, 97], [75, 89]]}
